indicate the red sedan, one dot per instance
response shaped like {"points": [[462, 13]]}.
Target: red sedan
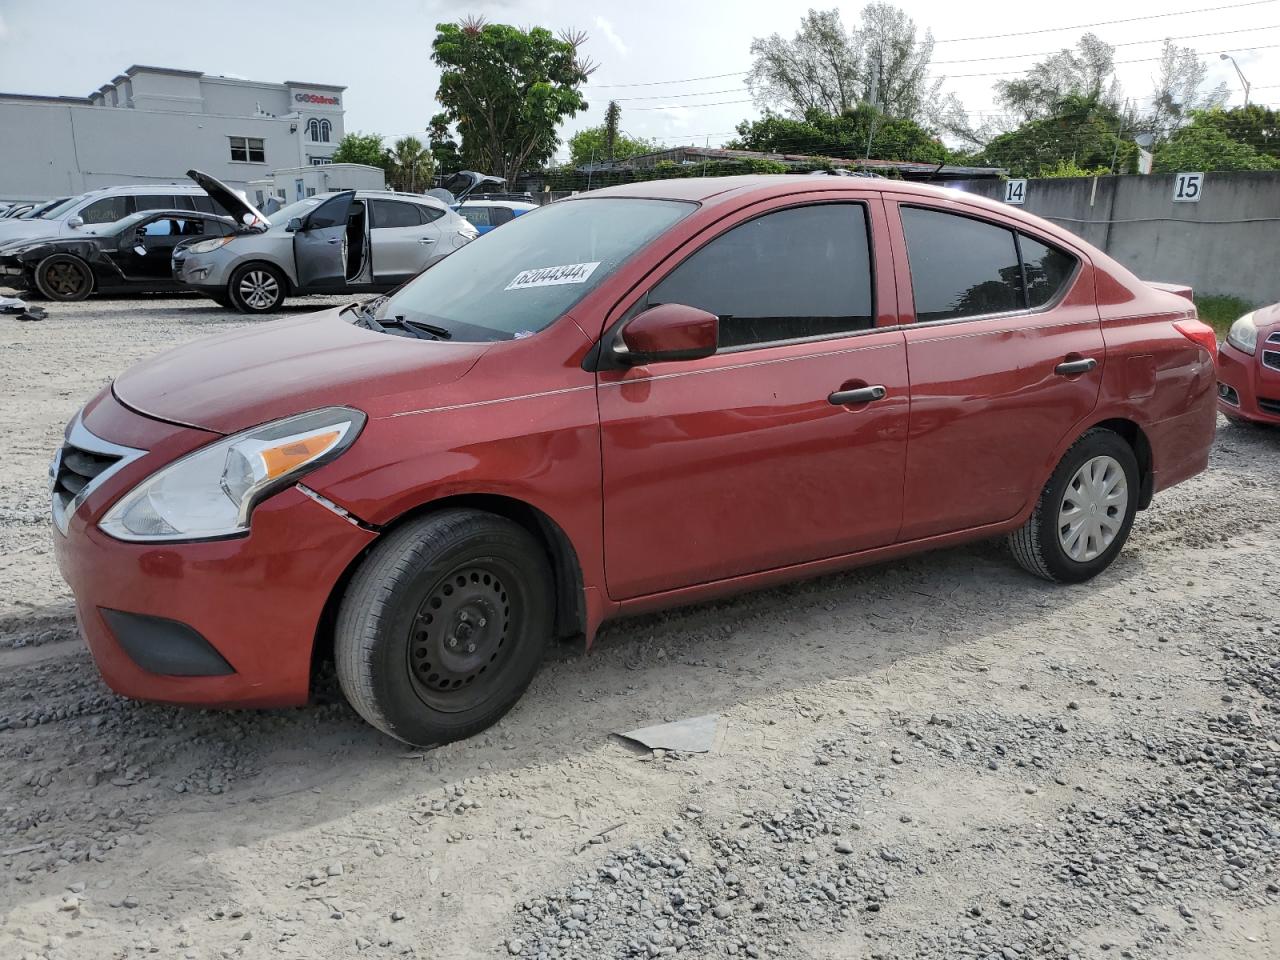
{"points": [[646, 396], [1249, 368]]}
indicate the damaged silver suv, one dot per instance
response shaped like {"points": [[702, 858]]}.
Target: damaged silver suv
{"points": [[353, 241]]}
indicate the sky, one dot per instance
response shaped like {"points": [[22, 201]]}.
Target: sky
{"points": [[649, 52]]}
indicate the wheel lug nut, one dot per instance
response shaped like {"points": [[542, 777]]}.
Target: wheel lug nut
{"points": [[471, 648], [481, 622]]}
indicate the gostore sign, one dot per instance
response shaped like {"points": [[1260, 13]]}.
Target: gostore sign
{"points": [[316, 98]]}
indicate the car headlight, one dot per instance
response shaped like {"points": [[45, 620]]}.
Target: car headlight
{"points": [[1243, 334], [212, 492], [208, 246]]}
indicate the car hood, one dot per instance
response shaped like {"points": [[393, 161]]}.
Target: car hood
{"points": [[238, 380], [26, 229], [232, 202]]}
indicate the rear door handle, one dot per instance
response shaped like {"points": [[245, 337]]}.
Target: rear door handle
{"points": [[1071, 367], [426, 239], [844, 398], [334, 240]]}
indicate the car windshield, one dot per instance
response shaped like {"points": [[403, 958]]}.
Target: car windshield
{"points": [[55, 212], [299, 208], [515, 281]]}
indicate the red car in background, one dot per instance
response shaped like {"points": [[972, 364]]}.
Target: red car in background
{"points": [[644, 396], [1249, 368]]}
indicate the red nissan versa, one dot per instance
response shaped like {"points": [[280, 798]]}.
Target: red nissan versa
{"points": [[646, 396], [1249, 367]]}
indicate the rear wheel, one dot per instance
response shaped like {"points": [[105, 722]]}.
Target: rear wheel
{"points": [[443, 626], [63, 277], [256, 288], [1084, 513]]}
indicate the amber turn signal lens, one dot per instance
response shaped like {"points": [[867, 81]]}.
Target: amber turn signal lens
{"points": [[286, 456]]}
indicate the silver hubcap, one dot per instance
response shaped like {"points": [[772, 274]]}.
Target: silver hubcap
{"points": [[1093, 508], [259, 289]]}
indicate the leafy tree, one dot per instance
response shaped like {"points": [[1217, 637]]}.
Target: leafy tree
{"points": [[826, 67], [444, 148], [366, 148], [592, 144], [845, 136], [1205, 144], [412, 165], [1179, 90], [1259, 127], [1086, 73], [507, 90], [1083, 132], [612, 121]]}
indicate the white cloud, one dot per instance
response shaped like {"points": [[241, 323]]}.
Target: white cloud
{"points": [[3, 29], [611, 35]]}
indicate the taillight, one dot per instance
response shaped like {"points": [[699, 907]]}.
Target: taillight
{"points": [[1201, 333]]}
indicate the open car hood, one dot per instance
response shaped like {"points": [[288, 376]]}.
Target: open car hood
{"points": [[241, 209], [459, 186]]}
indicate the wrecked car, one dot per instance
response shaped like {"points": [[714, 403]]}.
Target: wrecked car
{"points": [[352, 241], [133, 254]]}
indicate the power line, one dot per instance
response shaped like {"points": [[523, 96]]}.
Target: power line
{"points": [[658, 83], [676, 96], [1010, 73], [1130, 43], [1108, 23]]}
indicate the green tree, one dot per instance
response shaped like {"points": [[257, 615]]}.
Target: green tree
{"points": [[846, 136], [1068, 77], [444, 148], [612, 122], [1083, 132], [412, 165], [366, 148], [592, 144], [506, 90], [1206, 144]]}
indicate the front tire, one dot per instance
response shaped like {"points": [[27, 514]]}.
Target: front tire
{"points": [[443, 626], [257, 288], [1084, 513], [63, 277]]}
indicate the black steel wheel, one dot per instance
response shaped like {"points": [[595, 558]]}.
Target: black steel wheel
{"points": [[63, 277], [443, 625]]}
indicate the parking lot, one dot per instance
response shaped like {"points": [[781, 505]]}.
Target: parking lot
{"points": [[936, 758]]}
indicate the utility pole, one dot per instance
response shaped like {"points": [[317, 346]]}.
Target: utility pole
{"points": [[1243, 82], [875, 102]]}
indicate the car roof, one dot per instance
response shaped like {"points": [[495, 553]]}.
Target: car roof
{"points": [[144, 188]]}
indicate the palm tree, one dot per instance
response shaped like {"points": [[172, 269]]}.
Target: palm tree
{"points": [[411, 164]]}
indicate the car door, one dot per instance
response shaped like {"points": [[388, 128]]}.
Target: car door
{"points": [[405, 236], [1006, 357], [755, 458], [148, 255], [320, 243]]}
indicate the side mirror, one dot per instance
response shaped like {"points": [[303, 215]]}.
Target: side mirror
{"points": [[294, 225], [75, 223], [669, 331]]}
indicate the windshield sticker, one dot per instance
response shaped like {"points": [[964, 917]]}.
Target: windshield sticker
{"points": [[553, 276]]}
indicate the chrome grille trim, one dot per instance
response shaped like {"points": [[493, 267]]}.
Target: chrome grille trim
{"points": [[1271, 358], [79, 441]]}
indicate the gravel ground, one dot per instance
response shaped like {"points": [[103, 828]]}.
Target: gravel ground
{"points": [[938, 758]]}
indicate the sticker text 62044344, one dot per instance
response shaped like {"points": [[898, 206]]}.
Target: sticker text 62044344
{"points": [[553, 276]]}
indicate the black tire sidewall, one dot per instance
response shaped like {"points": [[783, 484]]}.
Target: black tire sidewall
{"points": [[233, 287], [42, 267], [404, 712], [1094, 444]]}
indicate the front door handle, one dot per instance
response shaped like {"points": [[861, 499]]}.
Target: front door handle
{"points": [[1070, 368], [334, 240], [426, 239], [844, 398]]}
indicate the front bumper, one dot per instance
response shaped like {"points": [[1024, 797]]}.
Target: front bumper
{"points": [[234, 620], [1247, 389]]}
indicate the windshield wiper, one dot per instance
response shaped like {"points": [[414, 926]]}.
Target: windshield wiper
{"points": [[419, 326]]}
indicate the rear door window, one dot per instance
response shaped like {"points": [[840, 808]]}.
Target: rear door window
{"points": [[795, 273], [1047, 270], [960, 267], [393, 213], [107, 209]]}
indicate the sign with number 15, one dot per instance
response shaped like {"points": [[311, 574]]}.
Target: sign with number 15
{"points": [[1187, 187]]}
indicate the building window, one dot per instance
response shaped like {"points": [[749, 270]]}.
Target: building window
{"points": [[318, 161], [313, 130], [248, 149], [311, 191], [326, 128]]}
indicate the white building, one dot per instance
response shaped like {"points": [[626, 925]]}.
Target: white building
{"points": [[152, 124], [296, 183]]}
